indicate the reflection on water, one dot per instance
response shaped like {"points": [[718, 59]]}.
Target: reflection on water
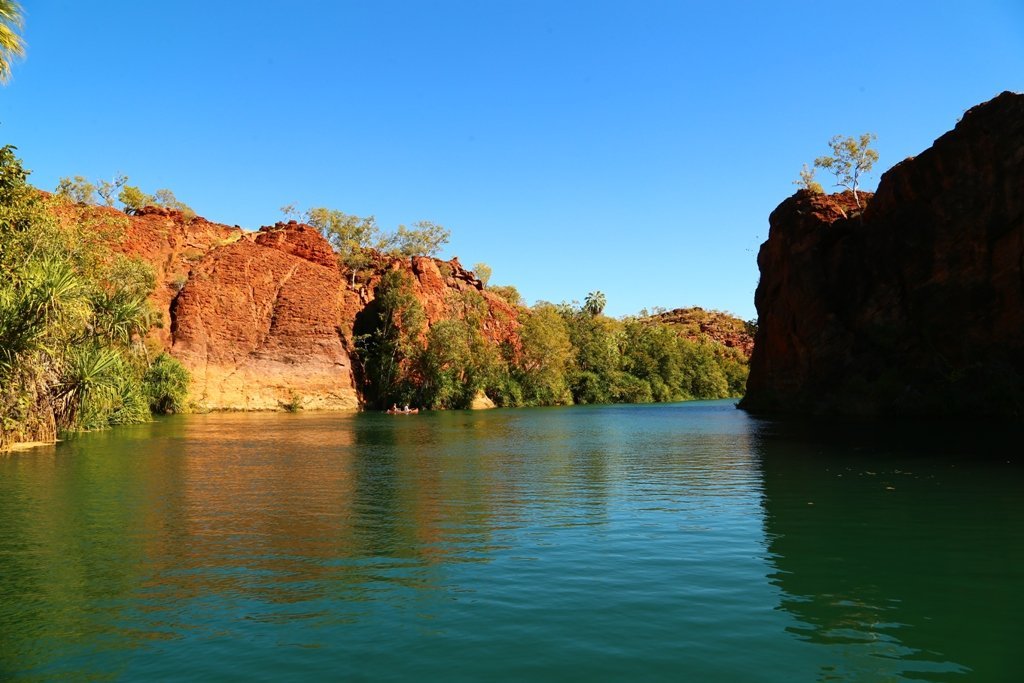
{"points": [[899, 549], [600, 543]]}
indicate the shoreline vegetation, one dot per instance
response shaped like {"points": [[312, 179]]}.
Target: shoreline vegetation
{"points": [[563, 354], [78, 350], [73, 321]]}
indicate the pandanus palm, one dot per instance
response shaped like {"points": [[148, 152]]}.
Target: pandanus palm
{"points": [[88, 385], [121, 316], [49, 293], [11, 44]]}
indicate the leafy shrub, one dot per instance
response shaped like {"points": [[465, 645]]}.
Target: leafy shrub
{"points": [[589, 387], [166, 385], [630, 389], [133, 199], [131, 402], [483, 272], [508, 293]]}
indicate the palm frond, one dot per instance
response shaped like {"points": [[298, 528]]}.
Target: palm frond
{"points": [[11, 44]]}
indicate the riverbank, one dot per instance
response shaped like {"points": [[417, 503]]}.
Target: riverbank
{"points": [[27, 446]]}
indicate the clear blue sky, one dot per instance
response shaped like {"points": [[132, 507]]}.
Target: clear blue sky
{"points": [[632, 147]]}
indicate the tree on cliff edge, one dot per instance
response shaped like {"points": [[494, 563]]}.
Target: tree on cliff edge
{"points": [[11, 44], [807, 182], [853, 158]]}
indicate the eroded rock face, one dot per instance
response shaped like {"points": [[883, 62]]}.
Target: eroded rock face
{"points": [[435, 281], [172, 244], [916, 305], [266, 319], [298, 240], [260, 327]]}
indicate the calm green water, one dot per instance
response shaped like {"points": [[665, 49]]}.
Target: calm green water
{"points": [[654, 543]]}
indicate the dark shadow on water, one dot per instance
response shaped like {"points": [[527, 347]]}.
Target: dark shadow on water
{"points": [[899, 546]]}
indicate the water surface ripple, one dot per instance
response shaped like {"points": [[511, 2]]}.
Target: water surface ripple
{"points": [[658, 543]]}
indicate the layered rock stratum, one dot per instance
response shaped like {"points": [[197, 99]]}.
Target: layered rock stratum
{"points": [[914, 306]]}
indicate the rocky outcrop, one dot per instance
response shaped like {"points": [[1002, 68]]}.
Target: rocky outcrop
{"points": [[265, 320], [437, 285], [434, 283], [298, 240], [916, 304], [698, 324], [258, 324], [172, 243]]}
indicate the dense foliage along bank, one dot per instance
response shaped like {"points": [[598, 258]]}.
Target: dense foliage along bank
{"points": [[565, 353], [73, 315], [333, 313]]}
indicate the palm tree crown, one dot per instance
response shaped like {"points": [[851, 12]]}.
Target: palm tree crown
{"points": [[594, 303], [11, 43]]}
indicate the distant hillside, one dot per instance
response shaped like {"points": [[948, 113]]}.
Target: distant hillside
{"points": [[697, 324]]}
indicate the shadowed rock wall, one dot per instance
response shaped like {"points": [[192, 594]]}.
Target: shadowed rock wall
{"points": [[916, 305]]}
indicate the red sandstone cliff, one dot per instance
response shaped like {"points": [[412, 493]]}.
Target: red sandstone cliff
{"points": [[915, 306], [258, 323], [262, 319]]}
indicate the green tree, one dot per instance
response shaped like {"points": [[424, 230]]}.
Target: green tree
{"points": [[388, 352], [120, 316], [596, 354], [87, 386], [852, 158], [482, 271], [107, 189], [806, 181], [165, 198], [11, 44], [508, 293], [77, 189], [706, 377], [546, 356], [81, 190], [133, 199], [72, 316], [652, 361], [424, 238], [446, 365], [351, 236], [41, 300], [736, 368], [486, 367], [166, 385]]}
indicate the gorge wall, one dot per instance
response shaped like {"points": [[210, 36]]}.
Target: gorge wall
{"points": [[914, 306], [264, 319]]}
